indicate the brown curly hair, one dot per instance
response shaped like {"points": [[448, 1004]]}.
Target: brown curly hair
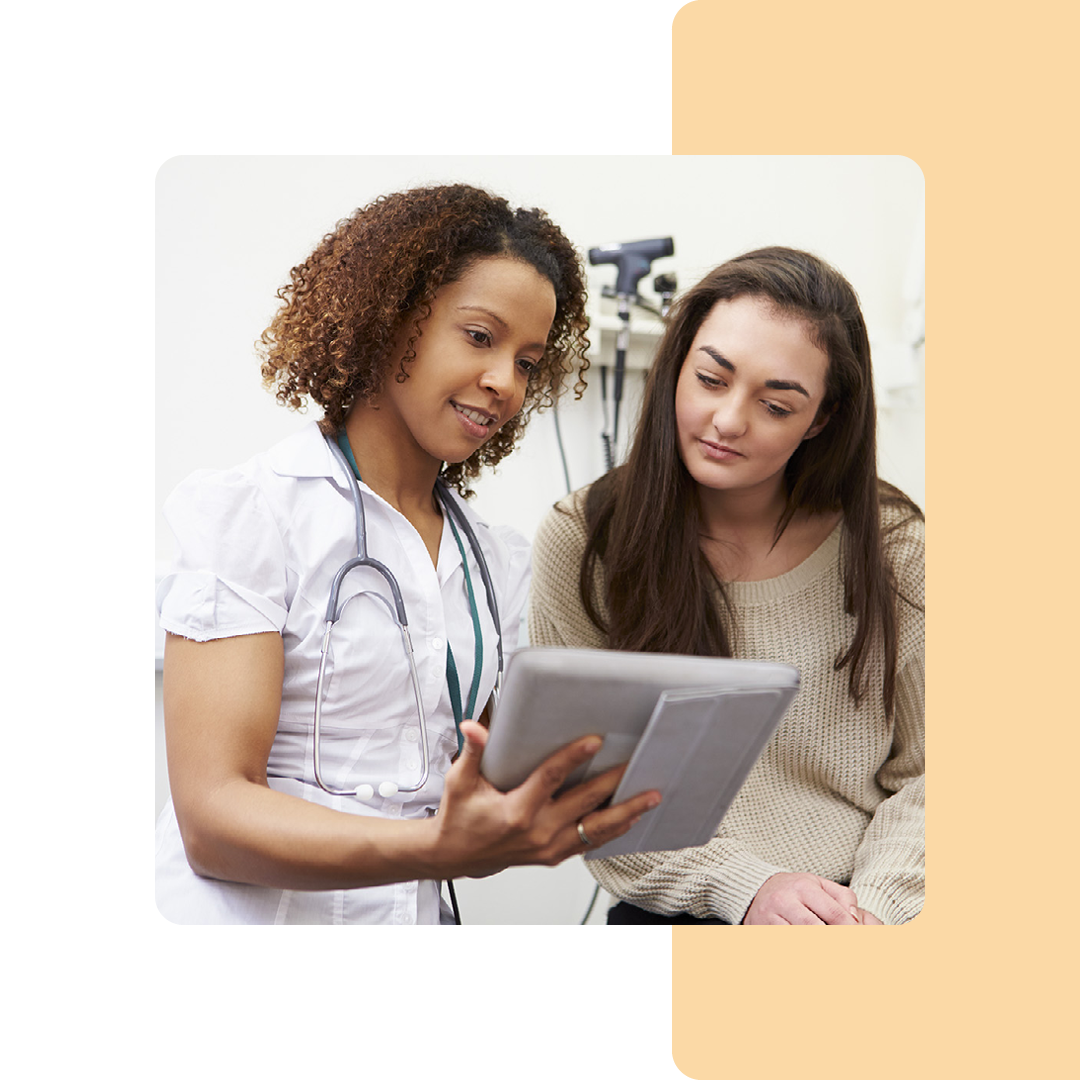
{"points": [[344, 307]]}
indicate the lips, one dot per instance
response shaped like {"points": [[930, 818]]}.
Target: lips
{"points": [[477, 416], [477, 424], [718, 451]]}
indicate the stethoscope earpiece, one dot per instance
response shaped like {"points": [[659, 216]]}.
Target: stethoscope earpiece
{"points": [[366, 792]]}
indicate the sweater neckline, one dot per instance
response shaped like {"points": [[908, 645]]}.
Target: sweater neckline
{"points": [[794, 580]]}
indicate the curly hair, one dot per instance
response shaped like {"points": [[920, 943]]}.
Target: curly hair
{"points": [[347, 303]]}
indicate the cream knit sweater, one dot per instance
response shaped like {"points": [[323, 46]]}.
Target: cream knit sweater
{"points": [[837, 791]]}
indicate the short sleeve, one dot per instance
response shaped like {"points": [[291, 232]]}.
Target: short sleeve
{"points": [[229, 577]]}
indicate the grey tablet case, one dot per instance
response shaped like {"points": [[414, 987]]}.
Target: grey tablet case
{"points": [[691, 727]]}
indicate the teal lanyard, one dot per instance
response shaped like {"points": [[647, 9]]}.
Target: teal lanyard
{"points": [[452, 683], [478, 650]]}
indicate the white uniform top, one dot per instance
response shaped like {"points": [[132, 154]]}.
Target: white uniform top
{"points": [[259, 546]]}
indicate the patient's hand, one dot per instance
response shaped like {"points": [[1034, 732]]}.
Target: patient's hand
{"points": [[802, 900]]}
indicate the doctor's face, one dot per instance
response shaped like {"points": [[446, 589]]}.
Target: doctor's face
{"points": [[486, 334]]}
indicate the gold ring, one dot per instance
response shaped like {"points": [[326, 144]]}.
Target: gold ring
{"points": [[581, 833]]}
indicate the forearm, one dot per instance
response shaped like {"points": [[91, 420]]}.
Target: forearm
{"points": [[247, 832]]}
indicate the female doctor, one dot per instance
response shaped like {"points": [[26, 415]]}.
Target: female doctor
{"points": [[427, 326]]}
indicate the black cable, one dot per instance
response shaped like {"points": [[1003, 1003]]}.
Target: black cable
{"points": [[453, 902], [595, 894], [562, 450]]}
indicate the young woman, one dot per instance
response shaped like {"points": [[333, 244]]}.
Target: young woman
{"points": [[749, 521], [427, 327]]}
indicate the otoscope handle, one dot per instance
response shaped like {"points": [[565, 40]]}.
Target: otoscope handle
{"points": [[633, 260]]}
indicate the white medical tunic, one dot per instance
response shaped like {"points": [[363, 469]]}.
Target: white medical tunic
{"points": [[258, 549]]}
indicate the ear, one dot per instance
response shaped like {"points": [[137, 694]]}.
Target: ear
{"points": [[819, 423]]}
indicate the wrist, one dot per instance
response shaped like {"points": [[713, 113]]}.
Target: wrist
{"points": [[427, 851]]}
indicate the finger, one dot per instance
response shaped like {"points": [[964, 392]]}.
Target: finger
{"points": [[547, 778], [607, 825], [802, 915], [582, 798], [841, 909], [844, 896], [475, 739], [475, 733]]}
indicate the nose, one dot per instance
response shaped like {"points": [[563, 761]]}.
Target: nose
{"points": [[499, 376], [729, 417]]}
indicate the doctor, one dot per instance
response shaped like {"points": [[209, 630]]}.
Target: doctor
{"points": [[428, 327]]}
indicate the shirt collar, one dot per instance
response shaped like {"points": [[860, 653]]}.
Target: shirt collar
{"points": [[305, 453]]}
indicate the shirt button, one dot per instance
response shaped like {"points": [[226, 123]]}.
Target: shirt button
{"points": [[437, 643], [411, 734], [412, 762]]}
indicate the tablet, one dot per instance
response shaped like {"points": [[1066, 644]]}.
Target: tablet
{"points": [[553, 696]]}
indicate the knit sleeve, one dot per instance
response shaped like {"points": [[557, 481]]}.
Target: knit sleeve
{"points": [[889, 875], [715, 881], [890, 866]]}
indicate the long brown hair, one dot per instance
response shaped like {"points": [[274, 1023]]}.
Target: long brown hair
{"points": [[660, 590], [379, 270]]}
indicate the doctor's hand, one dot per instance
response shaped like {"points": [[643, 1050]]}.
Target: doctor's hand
{"points": [[482, 830], [802, 900]]}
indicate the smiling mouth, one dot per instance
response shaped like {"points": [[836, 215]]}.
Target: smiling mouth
{"points": [[478, 417]]}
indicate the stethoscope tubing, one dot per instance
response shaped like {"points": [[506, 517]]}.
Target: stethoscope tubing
{"points": [[333, 613]]}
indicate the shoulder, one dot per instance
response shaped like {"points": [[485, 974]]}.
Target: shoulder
{"points": [[562, 535], [903, 528], [557, 616], [903, 539], [264, 485], [302, 454]]}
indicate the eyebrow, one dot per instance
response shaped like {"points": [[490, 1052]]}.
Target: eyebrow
{"points": [[486, 311], [771, 384], [502, 322]]}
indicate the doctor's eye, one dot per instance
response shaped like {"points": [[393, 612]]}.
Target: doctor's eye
{"points": [[776, 410], [709, 380]]}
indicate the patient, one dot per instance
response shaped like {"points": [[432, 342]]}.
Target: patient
{"points": [[749, 521]]}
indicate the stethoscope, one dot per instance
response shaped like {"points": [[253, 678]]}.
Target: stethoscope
{"points": [[365, 791]]}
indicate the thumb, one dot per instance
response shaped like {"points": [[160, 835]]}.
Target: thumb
{"points": [[475, 736]]}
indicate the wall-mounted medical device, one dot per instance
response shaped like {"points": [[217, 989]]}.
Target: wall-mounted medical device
{"points": [[632, 261]]}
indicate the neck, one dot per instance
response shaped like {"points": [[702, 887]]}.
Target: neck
{"points": [[749, 511], [406, 481]]}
